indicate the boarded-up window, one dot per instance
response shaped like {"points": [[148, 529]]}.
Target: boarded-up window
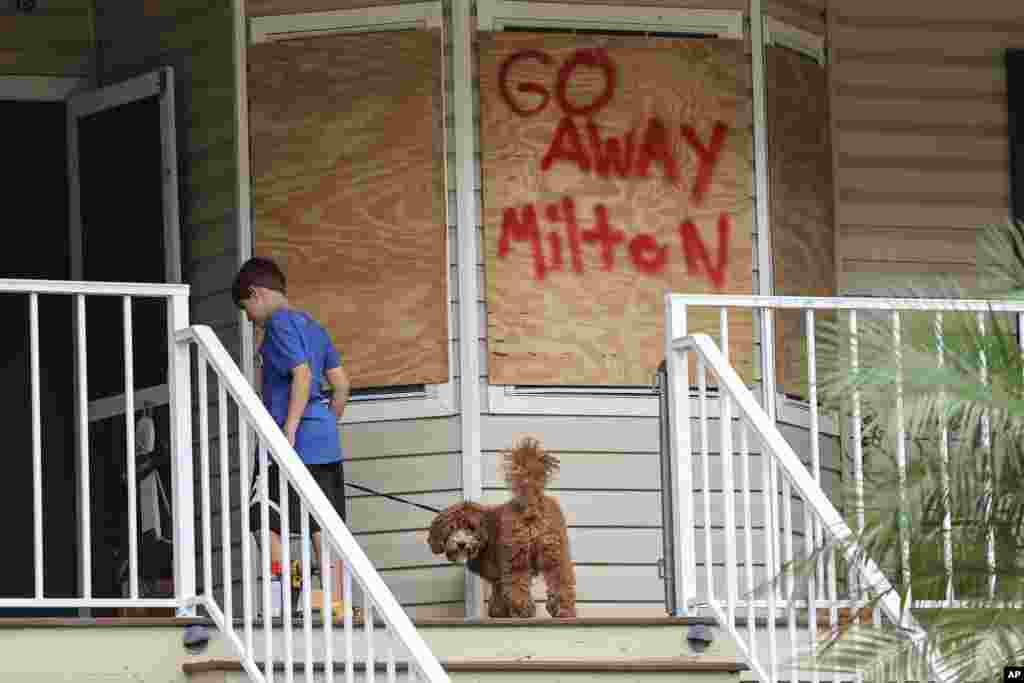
{"points": [[348, 191], [803, 236], [615, 169]]}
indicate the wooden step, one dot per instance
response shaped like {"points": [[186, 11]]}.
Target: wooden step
{"points": [[502, 669], [473, 651], [585, 638]]}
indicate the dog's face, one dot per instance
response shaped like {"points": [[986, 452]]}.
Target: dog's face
{"points": [[458, 533]]}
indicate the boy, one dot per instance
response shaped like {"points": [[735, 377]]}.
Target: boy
{"points": [[294, 355]]}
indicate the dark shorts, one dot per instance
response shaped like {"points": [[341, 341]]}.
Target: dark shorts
{"points": [[331, 479]]}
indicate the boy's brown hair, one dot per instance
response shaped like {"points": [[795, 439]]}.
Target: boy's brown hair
{"points": [[257, 272]]}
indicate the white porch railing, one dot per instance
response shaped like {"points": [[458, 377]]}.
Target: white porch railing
{"points": [[753, 621], [255, 428], [131, 295], [338, 542]]}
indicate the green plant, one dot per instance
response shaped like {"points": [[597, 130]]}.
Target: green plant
{"points": [[977, 396]]}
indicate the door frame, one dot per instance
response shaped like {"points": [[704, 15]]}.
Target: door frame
{"points": [[44, 89], [157, 83], [41, 88]]}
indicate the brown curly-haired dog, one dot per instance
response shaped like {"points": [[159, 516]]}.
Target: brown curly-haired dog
{"points": [[511, 543]]}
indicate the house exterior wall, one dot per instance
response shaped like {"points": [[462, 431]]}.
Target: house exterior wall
{"points": [[609, 483], [195, 37], [919, 130], [58, 39], [920, 117], [418, 459]]}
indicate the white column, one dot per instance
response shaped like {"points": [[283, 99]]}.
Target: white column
{"points": [[469, 287], [179, 381]]}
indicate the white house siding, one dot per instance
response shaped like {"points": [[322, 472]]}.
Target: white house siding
{"points": [[919, 108]]}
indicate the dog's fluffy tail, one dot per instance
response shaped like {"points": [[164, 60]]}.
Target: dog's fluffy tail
{"points": [[529, 467]]}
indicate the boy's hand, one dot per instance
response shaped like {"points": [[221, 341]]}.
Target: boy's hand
{"points": [[338, 407], [290, 430], [341, 386]]}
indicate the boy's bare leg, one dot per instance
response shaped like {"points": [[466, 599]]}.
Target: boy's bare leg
{"points": [[275, 547], [336, 577]]}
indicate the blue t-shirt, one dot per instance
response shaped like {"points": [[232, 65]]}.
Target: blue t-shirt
{"points": [[291, 338]]}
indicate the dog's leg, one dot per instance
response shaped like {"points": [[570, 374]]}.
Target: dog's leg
{"points": [[498, 607], [567, 590], [515, 581], [517, 595], [559, 576], [560, 580]]}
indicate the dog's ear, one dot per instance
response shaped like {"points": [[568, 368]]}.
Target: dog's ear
{"points": [[439, 530], [474, 514], [480, 529]]}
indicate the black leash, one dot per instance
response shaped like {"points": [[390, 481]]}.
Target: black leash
{"points": [[387, 495]]}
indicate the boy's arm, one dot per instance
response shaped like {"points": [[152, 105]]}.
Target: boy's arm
{"points": [[257, 366], [339, 381], [298, 397]]}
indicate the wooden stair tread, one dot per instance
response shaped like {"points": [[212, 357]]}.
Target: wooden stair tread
{"points": [[81, 622], [487, 664], [102, 622], [454, 622]]}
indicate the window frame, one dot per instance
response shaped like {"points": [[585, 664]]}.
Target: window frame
{"points": [[434, 400]]}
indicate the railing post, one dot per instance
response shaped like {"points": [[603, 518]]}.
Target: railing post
{"points": [[678, 385], [179, 382]]}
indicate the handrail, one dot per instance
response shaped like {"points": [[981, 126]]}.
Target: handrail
{"points": [[847, 303], [808, 488], [133, 289], [333, 528]]}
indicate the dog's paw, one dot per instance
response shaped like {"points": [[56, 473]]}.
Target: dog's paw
{"points": [[559, 609], [498, 609], [522, 609]]}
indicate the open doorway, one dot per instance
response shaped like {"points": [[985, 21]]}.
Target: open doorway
{"points": [[101, 191], [37, 193]]}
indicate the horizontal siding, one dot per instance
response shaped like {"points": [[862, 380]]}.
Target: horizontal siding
{"points": [[802, 8], [58, 39], [258, 8], [919, 108], [382, 526], [609, 483], [380, 439], [808, 15]]}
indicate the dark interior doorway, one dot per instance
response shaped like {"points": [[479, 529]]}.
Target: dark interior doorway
{"points": [[122, 235], [122, 218], [36, 198]]}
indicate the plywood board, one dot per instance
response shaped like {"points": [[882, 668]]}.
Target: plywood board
{"points": [[348, 191], [593, 150], [802, 214]]}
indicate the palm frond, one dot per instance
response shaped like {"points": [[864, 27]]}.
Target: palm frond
{"points": [[1001, 261]]}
